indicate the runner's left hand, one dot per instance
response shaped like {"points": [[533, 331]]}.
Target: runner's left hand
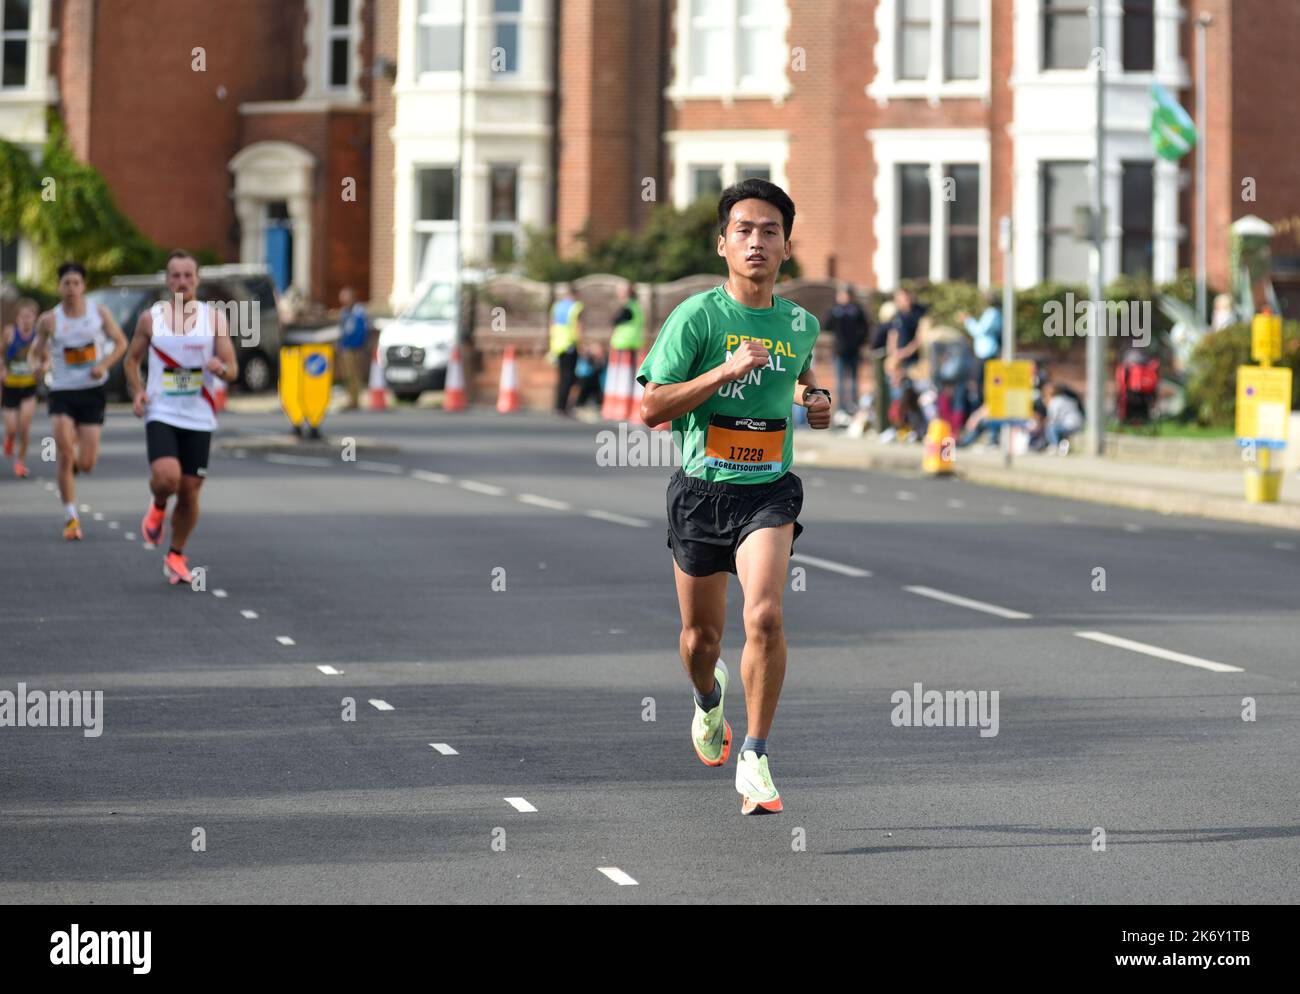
{"points": [[216, 367], [97, 370], [819, 410]]}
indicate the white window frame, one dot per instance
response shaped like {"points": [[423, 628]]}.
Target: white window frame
{"points": [[936, 148], [731, 150], [25, 35], [434, 77], [319, 33], [422, 227], [517, 19], [935, 87], [729, 86], [513, 228]]}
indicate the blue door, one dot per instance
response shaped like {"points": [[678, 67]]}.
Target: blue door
{"points": [[279, 254]]}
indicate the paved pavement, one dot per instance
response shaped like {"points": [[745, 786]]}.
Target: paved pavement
{"points": [[374, 580]]}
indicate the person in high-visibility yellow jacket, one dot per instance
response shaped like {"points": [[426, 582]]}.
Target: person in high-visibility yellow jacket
{"points": [[566, 339], [629, 323]]}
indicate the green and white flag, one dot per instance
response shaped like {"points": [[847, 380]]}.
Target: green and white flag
{"points": [[1172, 131]]}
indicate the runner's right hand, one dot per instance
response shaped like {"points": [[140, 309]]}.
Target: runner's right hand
{"points": [[138, 404], [750, 355]]}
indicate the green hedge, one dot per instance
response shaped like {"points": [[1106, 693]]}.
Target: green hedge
{"points": [[1212, 387]]}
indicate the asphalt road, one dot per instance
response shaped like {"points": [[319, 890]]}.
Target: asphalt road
{"points": [[383, 573]]}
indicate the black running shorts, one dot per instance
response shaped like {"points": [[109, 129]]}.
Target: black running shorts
{"points": [[708, 521], [85, 407], [12, 397], [187, 445]]}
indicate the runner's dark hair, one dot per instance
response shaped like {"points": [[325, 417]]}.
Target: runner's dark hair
{"points": [[180, 254], [756, 189], [72, 267]]}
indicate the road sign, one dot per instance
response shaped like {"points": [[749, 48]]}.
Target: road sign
{"points": [[317, 381], [1009, 389], [1263, 404], [1266, 338]]}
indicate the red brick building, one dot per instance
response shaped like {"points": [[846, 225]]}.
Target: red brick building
{"points": [[241, 127]]}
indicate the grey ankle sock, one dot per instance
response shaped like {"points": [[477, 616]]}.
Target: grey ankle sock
{"points": [[757, 745], [710, 700]]}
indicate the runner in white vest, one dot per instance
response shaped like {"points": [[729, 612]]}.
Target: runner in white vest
{"points": [[189, 348], [75, 337]]}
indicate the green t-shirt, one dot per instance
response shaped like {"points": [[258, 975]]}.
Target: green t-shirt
{"points": [[752, 439]]}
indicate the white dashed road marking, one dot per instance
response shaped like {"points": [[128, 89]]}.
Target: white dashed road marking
{"points": [[490, 489], [1284, 546], [554, 505], [115, 524], [1159, 653], [250, 615], [443, 748], [834, 567], [905, 495], [939, 595], [956, 504], [617, 875], [424, 474], [519, 804], [285, 640], [1133, 528], [285, 460], [379, 705], [98, 515], [218, 593], [129, 536], [329, 670], [617, 519], [380, 467]]}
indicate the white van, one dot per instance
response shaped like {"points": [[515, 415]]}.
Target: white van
{"points": [[416, 345]]}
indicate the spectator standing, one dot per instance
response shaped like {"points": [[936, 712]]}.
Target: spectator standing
{"points": [[566, 339], [849, 323], [986, 338], [354, 334]]}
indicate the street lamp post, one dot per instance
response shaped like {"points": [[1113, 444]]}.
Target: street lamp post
{"points": [[1202, 194], [1096, 344]]}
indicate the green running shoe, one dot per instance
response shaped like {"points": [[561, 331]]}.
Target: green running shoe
{"points": [[710, 733], [758, 794]]}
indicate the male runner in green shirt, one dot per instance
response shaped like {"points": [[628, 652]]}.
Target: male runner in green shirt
{"points": [[726, 368]]}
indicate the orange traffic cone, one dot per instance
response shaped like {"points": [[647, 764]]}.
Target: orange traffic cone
{"points": [[508, 394], [635, 392], [614, 407], [219, 393], [454, 398], [378, 394]]}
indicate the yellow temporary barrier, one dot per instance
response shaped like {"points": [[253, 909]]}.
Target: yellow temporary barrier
{"points": [[939, 448], [306, 379], [290, 384]]}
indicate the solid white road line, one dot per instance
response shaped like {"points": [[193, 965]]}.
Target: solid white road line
{"points": [[939, 595], [380, 467], [424, 474], [285, 640], [285, 460], [1159, 653], [379, 705], [834, 567], [554, 505], [250, 615], [443, 748], [519, 804], [617, 875], [329, 670], [490, 489], [617, 519]]}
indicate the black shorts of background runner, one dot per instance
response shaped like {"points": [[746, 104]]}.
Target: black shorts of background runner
{"points": [[185, 444], [708, 521], [85, 406], [12, 397]]}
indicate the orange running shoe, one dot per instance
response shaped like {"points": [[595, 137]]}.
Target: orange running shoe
{"points": [[72, 530], [151, 526], [20, 470], [176, 569]]}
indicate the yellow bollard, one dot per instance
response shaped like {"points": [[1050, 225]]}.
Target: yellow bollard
{"points": [[939, 449]]}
